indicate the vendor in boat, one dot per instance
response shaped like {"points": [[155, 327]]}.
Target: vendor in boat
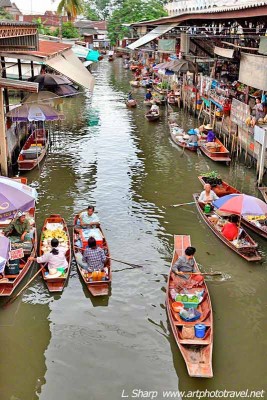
{"points": [[89, 217], [210, 137], [94, 257], [130, 96], [207, 196], [148, 95], [154, 109], [193, 138], [56, 258], [19, 229], [185, 263], [230, 230], [203, 131], [171, 94]]}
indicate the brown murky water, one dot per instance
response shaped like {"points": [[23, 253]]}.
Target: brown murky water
{"points": [[75, 347]]}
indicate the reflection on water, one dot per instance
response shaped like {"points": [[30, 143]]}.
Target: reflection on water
{"points": [[74, 346]]}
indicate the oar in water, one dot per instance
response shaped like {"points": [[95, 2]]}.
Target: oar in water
{"points": [[199, 273], [183, 151], [12, 299], [182, 204], [126, 263]]}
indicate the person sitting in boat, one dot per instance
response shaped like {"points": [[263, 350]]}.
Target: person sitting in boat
{"points": [[56, 258], [89, 217], [94, 257], [193, 138], [207, 196], [210, 137], [203, 131], [19, 229], [185, 263], [130, 96], [154, 109], [148, 95], [171, 93], [230, 230]]}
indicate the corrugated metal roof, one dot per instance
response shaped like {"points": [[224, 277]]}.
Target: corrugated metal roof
{"points": [[212, 10], [155, 33], [8, 22]]}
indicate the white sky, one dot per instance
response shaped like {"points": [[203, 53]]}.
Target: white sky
{"points": [[36, 6]]}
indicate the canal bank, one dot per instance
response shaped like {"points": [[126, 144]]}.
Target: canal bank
{"points": [[76, 346]]}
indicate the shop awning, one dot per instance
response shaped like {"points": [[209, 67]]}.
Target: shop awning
{"points": [[155, 33], [228, 53], [253, 71], [69, 65]]}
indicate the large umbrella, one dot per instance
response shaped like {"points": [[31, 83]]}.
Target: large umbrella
{"points": [[178, 66], [15, 196], [34, 112], [44, 97], [241, 204], [65, 90], [51, 80]]}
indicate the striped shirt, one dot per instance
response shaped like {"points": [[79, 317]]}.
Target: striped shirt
{"points": [[94, 258]]}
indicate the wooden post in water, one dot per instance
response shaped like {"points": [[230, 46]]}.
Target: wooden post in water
{"points": [[3, 144]]}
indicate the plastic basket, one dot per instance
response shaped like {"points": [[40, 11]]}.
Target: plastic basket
{"points": [[190, 305]]}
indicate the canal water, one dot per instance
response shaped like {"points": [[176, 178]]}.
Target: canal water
{"points": [[72, 346]]}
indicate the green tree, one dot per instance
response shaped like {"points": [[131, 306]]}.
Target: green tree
{"points": [[132, 11], [4, 14], [91, 12], [68, 30], [44, 30], [71, 7]]}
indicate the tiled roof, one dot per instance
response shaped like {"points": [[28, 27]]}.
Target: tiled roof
{"points": [[5, 3]]}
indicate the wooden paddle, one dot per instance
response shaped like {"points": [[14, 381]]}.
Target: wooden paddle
{"points": [[126, 263], [182, 152], [182, 204], [199, 273], [12, 299]]}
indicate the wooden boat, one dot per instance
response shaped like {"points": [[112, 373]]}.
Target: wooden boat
{"points": [[159, 90], [221, 189], [34, 150], [180, 143], [216, 151], [263, 191], [135, 83], [152, 117], [245, 247], [53, 223], [131, 103], [99, 287], [196, 352], [10, 282], [257, 224]]}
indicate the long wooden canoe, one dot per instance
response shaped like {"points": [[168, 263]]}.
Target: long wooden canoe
{"points": [[96, 288], [217, 153], [131, 103], [152, 117], [252, 223], [56, 222], [196, 352], [246, 249], [11, 282], [178, 142], [34, 150]]}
